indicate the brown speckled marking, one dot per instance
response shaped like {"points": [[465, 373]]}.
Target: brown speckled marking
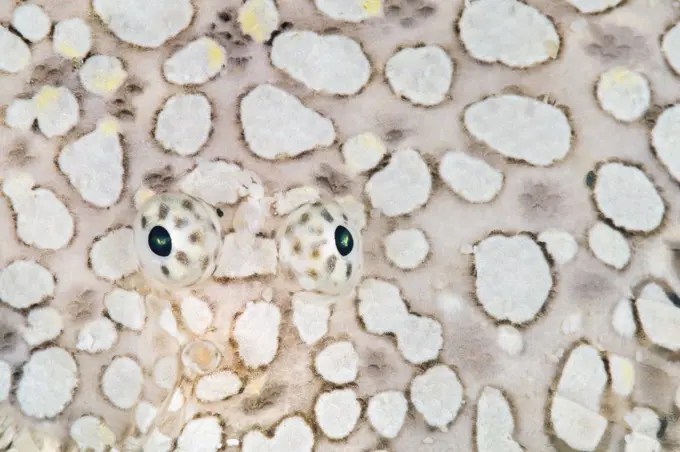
{"points": [[165, 270], [181, 222], [313, 274], [349, 270], [326, 215], [188, 204], [182, 258], [289, 230], [304, 218], [331, 263], [297, 247], [143, 222], [316, 253], [195, 237], [205, 260], [163, 211], [317, 231]]}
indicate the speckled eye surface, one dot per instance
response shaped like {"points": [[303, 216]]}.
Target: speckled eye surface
{"points": [[322, 247], [178, 239]]}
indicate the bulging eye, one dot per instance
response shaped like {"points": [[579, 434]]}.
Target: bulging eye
{"points": [[160, 241], [344, 242]]}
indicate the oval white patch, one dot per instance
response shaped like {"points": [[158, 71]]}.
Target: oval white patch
{"points": [[184, 124], [195, 63], [420, 74], [72, 38], [31, 21], [338, 363], [113, 256], [25, 283], [126, 307], [666, 139], [609, 245], [387, 413], [560, 244], [218, 386], [256, 331], [406, 248], [624, 94], [291, 435], [437, 395], [337, 413], [57, 110], [350, 10], [495, 423], [15, 55], [122, 382], [204, 433], [97, 336], [471, 178], [102, 75]]}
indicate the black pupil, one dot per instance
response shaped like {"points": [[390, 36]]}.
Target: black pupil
{"points": [[159, 241], [343, 240]]}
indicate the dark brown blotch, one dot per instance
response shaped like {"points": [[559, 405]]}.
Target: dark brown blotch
{"points": [[181, 222], [205, 261], [182, 258], [331, 262], [297, 247], [348, 273], [165, 270], [144, 222], [195, 237], [163, 211], [304, 218], [326, 215], [316, 253], [188, 204], [313, 274]]}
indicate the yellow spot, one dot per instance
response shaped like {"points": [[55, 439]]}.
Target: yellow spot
{"points": [[253, 20], [143, 195], [109, 82], [372, 7], [106, 435], [46, 96], [551, 48], [215, 55], [68, 50], [256, 385], [619, 76], [109, 126]]}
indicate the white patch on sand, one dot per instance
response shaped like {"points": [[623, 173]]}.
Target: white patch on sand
{"points": [[72, 38], [149, 24], [42, 220], [259, 19], [218, 386], [126, 307], [218, 182], [93, 164], [625, 195], [290, 200], [25, 283], [437, 395], [15, 55], [520, 127], [202, 434], [350, 10], [624, 94], [43, 325], [406, 248], [580, 428], [623, 319], [666, 139], [92, 434], [256, 331], [584, 377], [643, 420], [659, 317], [184, 124], [311, 313], [609, 245], [337, 413], [195, 63], [387, 413], [48, 382], [513, 277], [291, 435], [122, 382], [113, 256], [495, 424], [363, 152], [401, 187], [508, 32], [622, 374], [102, 75], [471, 178], [338, 363], [594, 6], [276, 125], [381, 307], [21, 114], [145, 413], [57, 110], [330, 64], [97, 336], [5, 380], [31, 21], [245, 255], [510, 340], [196, 314], [165, 372], [422, 75], [561, 245], [670, 45], [419, 339]]}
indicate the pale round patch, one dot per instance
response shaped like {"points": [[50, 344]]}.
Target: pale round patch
{"points": [[58, 110], [670, 43], [42, 220], [363, 152], [337, 413], [245, 255], [609, 245], [513, 277], [584, 377], [15, 55], [387, 413], [401, 187], [520, 127], [579, 427], [21, 114], [594, 6], [72, 38], [149, 24], [122, 382], [331, 64], [25, 283], [419, 339], [338, 363], [420, 74], [165, 372], [219, 182], [622, 373], [48, 382], [126, 307], [508, 32], [145, 413], [291, 435], [218, 386], [276, 125], [91, 433], [203, 433], [495, 424], [259, 19], [406, 248], [93, 164], [97, 336], [113, 256], [624, 94], [561, 245], [666, 139], [184, 124], [381, 307], [623, 319], [5, 380], [311, 313], [350, 10], [510, 340], [31, 21], [195, 63], [256, 331], [437, 395], [471, 178], [659, 317], [290, 200], [196, 314], [625, 195], [43, 325], [102, 75]]}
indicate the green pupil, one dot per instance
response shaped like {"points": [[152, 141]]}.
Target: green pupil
{"points": [[343, 240], [160, 242]]}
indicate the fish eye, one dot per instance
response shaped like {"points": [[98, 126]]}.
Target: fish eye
{"points": [[160, 242], [344, 241]]}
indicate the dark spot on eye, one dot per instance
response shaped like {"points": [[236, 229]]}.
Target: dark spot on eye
{"points": [[143, 222], [297, 247], [348, 273], [313, 274], [188, 204], [165, 270], [205, 261], [304, 218], [163, 211], [181, 222], [590, 179], [160, 242], [327, 215], [331, 263], [344, 242], [195, 237], [182, 258], [220, 213]]}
